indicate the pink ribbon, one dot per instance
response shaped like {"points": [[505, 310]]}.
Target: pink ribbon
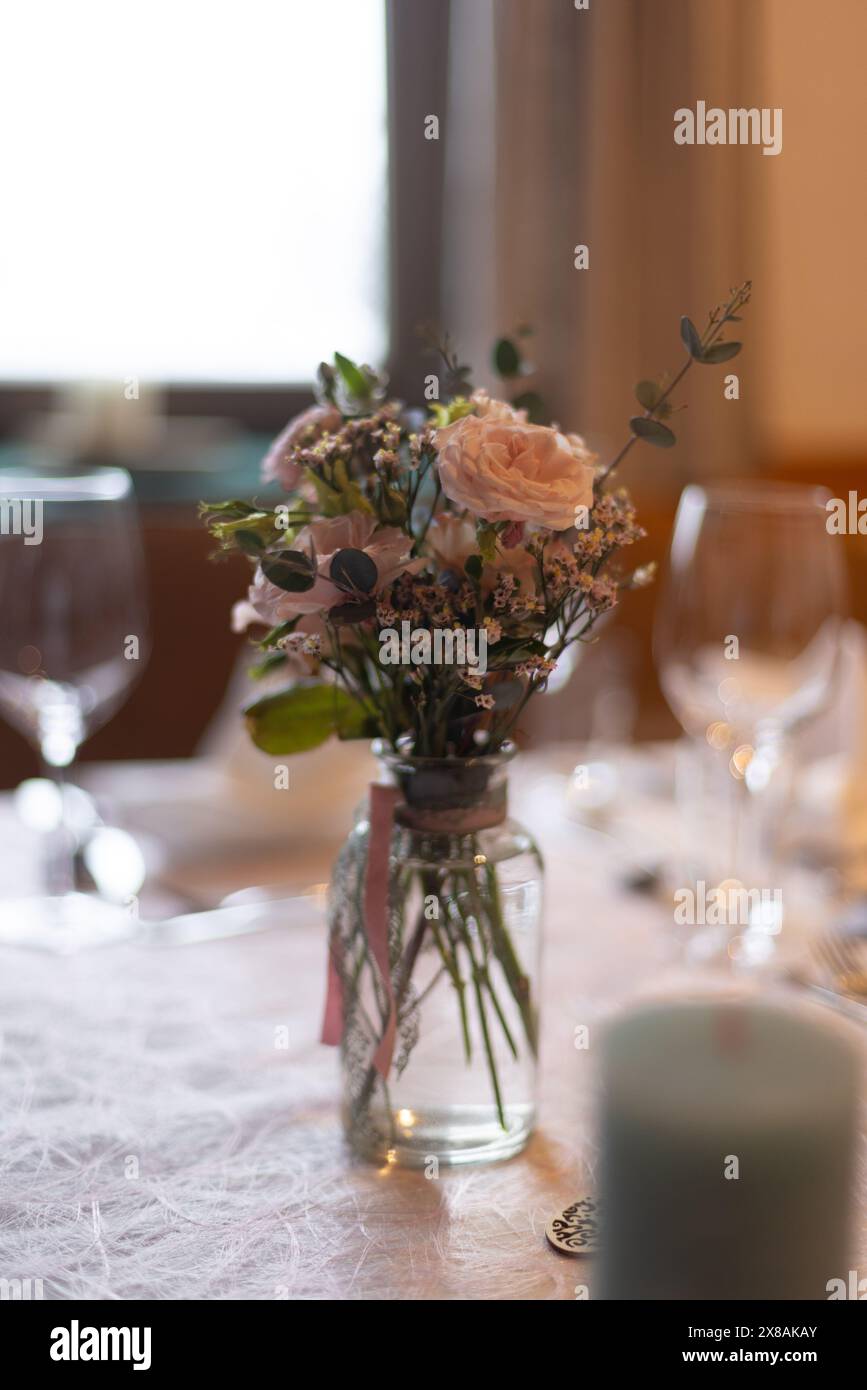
{"points": [[332, 1022], [381, 814]]}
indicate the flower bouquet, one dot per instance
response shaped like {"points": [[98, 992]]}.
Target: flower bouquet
{"points": [[418, 581]]}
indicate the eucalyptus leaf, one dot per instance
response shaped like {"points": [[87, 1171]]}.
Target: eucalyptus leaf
{"points": [[347, 614], [720, 352], [290, 570], [507, 358], [690, 337], [647, 393], [653, 432], [302, 717], [532, 402], [354, 570]]}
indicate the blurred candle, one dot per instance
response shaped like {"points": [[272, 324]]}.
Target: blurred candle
{"points": [[727, 1138]]}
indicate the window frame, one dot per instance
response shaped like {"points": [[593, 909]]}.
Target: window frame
{"points": [[417, 85]]}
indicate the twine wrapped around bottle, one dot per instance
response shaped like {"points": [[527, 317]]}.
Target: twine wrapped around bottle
{"points": [[443, 800]]}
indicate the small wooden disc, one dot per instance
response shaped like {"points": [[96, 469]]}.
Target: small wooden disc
{"points": [[575, 1231]]}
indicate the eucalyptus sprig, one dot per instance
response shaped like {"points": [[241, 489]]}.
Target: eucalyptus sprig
{"points": [[707, 348], [457, 377]]}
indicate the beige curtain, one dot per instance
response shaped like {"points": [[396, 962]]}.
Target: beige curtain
{"points": [[560, 132]]}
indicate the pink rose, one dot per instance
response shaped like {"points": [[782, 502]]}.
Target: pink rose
{"points": [[519, 563], [508, 470], [451, 540], [306, 428], [488, 408], [388, 548], [523, 565]]}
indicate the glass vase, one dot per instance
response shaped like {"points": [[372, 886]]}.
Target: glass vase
{"points": [[463, 906]]}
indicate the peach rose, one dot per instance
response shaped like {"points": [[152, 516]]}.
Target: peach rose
{"points": [[388, 548], [489, 408], [517, 562], [504, 469], [278, 465], [451, 540]]}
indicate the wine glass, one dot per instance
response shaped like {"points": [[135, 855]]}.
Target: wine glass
{"points": [[73, 641], [747, 643]]}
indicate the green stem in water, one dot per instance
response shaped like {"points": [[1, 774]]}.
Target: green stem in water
{"points": [[492, 1066], [481, 967], [504, 951], [450, 962]]}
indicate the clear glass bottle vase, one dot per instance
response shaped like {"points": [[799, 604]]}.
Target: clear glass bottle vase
{"points": [[464, 914]]}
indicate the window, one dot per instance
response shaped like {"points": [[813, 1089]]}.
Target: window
{"points": [[192, 192]]}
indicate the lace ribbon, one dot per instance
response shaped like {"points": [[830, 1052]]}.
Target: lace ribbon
{"points": [[383, 800], [385, 806]]}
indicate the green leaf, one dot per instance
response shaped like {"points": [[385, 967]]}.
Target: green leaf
{"points": [[473, 566], [532, 402], [354, 570], [690, 337], [281, 630], [234, 509], [507, 358], [353, 377], [720, 352], [268, 664], [250, 542], [325, 379], [653, 432], [486, 540], [647, 393], [392, 505], [290, 570], [302, 717]]}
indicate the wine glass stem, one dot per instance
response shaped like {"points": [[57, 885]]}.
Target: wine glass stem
{"points": [[59, 843]]}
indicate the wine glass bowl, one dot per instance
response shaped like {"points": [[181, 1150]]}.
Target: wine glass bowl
{"points": [[749, 621], [73, 632], [747, 637]]}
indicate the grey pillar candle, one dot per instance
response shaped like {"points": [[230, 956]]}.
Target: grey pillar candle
{"points": [[727, 1139]]}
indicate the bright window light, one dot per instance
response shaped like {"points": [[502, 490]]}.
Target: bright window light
{"points": [[192, 191]]}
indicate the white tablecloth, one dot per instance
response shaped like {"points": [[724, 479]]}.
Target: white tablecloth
{"points": [[160, 1140]]}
